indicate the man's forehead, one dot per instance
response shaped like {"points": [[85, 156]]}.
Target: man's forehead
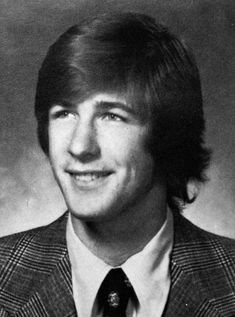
{"points": [[99, 100], [107, 98]]}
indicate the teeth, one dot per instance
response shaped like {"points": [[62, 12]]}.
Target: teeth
{"points": [[86, 177]]}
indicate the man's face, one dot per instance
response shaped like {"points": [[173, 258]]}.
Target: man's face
{"points": [[98, 155]]}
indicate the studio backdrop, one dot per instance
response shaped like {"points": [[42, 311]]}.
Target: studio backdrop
{"points": [[29, 196]]}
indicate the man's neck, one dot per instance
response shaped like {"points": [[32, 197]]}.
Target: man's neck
{"points": [[114, 241]]}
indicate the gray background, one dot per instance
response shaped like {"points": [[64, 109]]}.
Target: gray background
{"points": [[28, 194]]}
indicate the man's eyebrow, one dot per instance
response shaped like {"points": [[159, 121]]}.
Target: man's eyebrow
{"points": [[107, 105], [65, 104], [101, 105]]}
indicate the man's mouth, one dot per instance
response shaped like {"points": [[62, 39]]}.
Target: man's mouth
{"points": [[87, 177]]}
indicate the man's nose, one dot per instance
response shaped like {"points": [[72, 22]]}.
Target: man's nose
{"points": [[84, 144]]}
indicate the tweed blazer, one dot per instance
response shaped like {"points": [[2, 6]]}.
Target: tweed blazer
{"points": [[35, 273]]}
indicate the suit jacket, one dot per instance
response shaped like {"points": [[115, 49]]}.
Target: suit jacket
{"points": [[35, 273]]}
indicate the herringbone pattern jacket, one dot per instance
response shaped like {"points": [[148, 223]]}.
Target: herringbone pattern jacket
{"points": [[35, 273]]}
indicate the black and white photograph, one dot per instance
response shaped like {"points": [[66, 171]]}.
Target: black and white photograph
{"points": [[117, 151]]}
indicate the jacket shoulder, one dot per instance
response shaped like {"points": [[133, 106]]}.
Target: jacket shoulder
{"points": [[36, 240], [195, 236]]}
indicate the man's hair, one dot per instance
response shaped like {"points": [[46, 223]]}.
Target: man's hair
{"points": [[131, 55]]}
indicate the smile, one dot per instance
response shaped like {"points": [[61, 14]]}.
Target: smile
{"points": [[90, 177]]}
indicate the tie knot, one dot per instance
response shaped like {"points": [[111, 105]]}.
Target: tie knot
{"points": [[114, 293]]}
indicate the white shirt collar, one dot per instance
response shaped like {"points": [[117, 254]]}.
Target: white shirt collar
{"points": [[88, 272], [147, 270]]}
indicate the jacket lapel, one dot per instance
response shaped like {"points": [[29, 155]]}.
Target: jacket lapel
{"points": [[54, 298], [57, 296], [186, 298]]}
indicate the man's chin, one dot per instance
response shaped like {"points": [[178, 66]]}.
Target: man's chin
{"points": [[94, 216]]}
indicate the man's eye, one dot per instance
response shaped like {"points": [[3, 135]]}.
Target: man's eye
{"points": [[112, 117], [63, 114]]}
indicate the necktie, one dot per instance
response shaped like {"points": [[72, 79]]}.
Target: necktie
{"points": [[114, 293]]}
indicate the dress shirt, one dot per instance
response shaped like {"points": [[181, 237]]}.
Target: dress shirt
{"points": [[147, 270]]}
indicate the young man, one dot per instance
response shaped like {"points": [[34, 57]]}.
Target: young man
{"points": [[119, 111]]}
